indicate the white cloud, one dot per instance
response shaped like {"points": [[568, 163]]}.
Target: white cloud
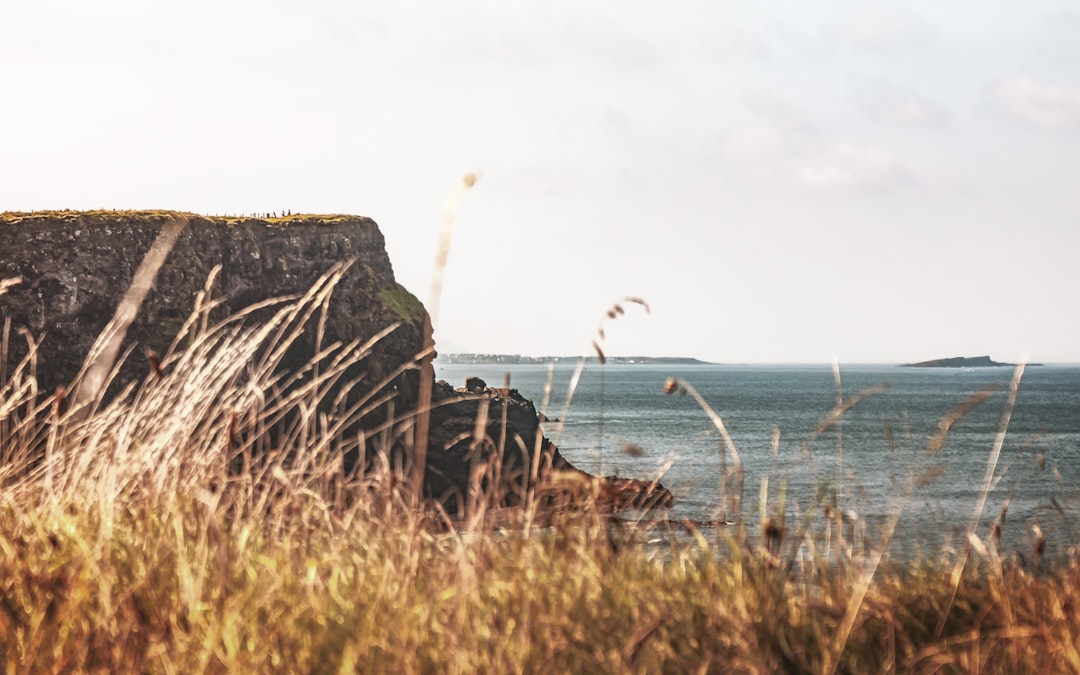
{"points": [[532, 34], [1043, 105], [845, 167], [887, 103], [1067, 18], [764, 155], [775, 110], [734, 43], [880, 28], [754, 152]]}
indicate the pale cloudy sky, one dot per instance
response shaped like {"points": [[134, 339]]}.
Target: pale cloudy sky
{"points": [[782, 181]]}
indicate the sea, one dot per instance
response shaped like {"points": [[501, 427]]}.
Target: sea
{"points": [[864, 439]]}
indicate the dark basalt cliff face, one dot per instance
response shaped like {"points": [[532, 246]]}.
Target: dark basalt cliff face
{"points": [[76, 266]]}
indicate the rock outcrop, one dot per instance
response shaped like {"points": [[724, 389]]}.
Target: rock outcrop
{"points": [[464, 454], [76, 266]]}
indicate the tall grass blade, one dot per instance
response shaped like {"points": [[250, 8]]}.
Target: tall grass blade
{"points": [[103, 353]]}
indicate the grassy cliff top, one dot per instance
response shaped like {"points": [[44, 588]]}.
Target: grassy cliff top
{"points": [[17, 217]]}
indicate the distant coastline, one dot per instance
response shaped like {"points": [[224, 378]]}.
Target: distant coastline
{"points": [[518, 359], [961, 362], [468, 358]]}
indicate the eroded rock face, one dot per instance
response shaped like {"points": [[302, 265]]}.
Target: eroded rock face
{"points": [[456, 450], [76, 267]]}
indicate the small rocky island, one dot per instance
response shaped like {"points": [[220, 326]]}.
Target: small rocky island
{"points": [[961, 362]]}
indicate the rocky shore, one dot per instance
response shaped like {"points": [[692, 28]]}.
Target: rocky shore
{"points": [[493, 438]]}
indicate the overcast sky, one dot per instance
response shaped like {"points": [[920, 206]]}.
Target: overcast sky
{"points": [[782, 181]]}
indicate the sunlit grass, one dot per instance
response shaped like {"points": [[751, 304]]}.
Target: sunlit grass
{"points": [[191, 589], [202, 522]]}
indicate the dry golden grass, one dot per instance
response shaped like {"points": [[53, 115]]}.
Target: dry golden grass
{"points": [[201, 522]]}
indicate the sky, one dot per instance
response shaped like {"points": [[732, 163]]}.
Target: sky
{"points": [[782, 182]]}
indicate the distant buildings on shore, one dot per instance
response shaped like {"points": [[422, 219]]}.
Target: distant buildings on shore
{"points": [[518, 359]]}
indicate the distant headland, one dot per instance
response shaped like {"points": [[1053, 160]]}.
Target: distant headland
{"points": [[961, 362], [517, 359]]}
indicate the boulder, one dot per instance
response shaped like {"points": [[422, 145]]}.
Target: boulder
{"points": [[474, 385]]}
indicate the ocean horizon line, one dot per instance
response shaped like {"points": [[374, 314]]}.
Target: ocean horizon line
{"points": [[478, 358]]}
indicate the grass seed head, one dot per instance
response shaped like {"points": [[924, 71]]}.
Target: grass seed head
{"points": [[599, 352], [154, 359]]}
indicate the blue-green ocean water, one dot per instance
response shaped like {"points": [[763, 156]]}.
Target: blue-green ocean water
{"points": [[870, 458]]}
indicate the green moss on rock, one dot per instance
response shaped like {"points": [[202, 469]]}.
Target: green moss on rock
{"points": [[403, 303]]}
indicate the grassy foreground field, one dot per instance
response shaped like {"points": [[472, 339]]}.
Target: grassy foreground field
{"points": [[170, 531]]}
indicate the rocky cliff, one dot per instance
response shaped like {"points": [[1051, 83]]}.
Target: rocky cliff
{"points": [[76, 266]]}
